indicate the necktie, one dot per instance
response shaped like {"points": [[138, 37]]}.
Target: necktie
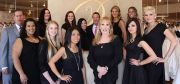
{"points": [[95, 30], [20, 28]]}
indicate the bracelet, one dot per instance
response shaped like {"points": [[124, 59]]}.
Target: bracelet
{"points": [[59, 76], [106, 68], [139, 63]]}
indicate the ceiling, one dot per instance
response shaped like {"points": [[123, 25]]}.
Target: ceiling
{"points": [[23, 4], [172, 17], [30, 7], [158, 2]]}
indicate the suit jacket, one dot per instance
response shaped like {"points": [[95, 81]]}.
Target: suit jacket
{"points": [[8, 38], [90, 34]]}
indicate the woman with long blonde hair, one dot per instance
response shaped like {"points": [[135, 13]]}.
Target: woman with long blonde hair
{"points": [[47, 48]]}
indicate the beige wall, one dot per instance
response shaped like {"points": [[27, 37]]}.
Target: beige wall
{"points": [[84, 8]]}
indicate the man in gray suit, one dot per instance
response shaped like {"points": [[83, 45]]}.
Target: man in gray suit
{"points": [[8, 38]]}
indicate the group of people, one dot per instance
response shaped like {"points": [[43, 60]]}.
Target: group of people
{"points": [[109, 51]]}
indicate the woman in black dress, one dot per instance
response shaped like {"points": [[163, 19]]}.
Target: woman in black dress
{"points": [[154, 35], [47, 48], [134, 72], [73, 68], [120, 30], [44, 18], [118, 23], [70, 22], [105, 54], [82, 25], [25, 55]]}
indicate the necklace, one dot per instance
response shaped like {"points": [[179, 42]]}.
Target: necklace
{"points": [[77, 59], [101, 46], [131, 40], [32, 40], [149, 28]]}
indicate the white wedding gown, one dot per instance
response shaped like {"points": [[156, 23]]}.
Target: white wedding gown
{"points": [[177, 77], [172, 66]]}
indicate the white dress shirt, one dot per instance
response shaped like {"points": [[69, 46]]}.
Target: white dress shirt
{"points": [[94, 29], [18, 27]]}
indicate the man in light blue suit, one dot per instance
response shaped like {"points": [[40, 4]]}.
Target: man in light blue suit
{"points": [[8, 37]]}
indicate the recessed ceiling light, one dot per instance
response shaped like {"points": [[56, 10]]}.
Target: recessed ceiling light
{"points": [[160, 0]]}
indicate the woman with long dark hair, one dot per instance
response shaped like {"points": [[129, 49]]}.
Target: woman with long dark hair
{"points": [[25, 55], [82, 25], [134, 72], [44, 18], [73, 67]]}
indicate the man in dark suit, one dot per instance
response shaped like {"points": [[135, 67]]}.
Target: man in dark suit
{"points": [[8, 38], [92, 29]]}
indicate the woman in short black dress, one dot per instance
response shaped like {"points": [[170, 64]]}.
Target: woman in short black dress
{"points": [[154, 35], [25, 55], [73, 67], [134, 72]]}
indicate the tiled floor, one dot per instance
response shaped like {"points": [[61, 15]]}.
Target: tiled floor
{"points": [[169, 82]]}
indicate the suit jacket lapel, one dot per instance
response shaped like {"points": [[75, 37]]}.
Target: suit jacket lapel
{"points": [[15, 30]]}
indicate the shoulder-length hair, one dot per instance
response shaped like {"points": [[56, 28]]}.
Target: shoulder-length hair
{"points": [[79, 24], [41, 16], [23, 32], [68, 37], [138, 32], [66, 18], [52, 49], [135, 10], [99, 33], [119, 12]]}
